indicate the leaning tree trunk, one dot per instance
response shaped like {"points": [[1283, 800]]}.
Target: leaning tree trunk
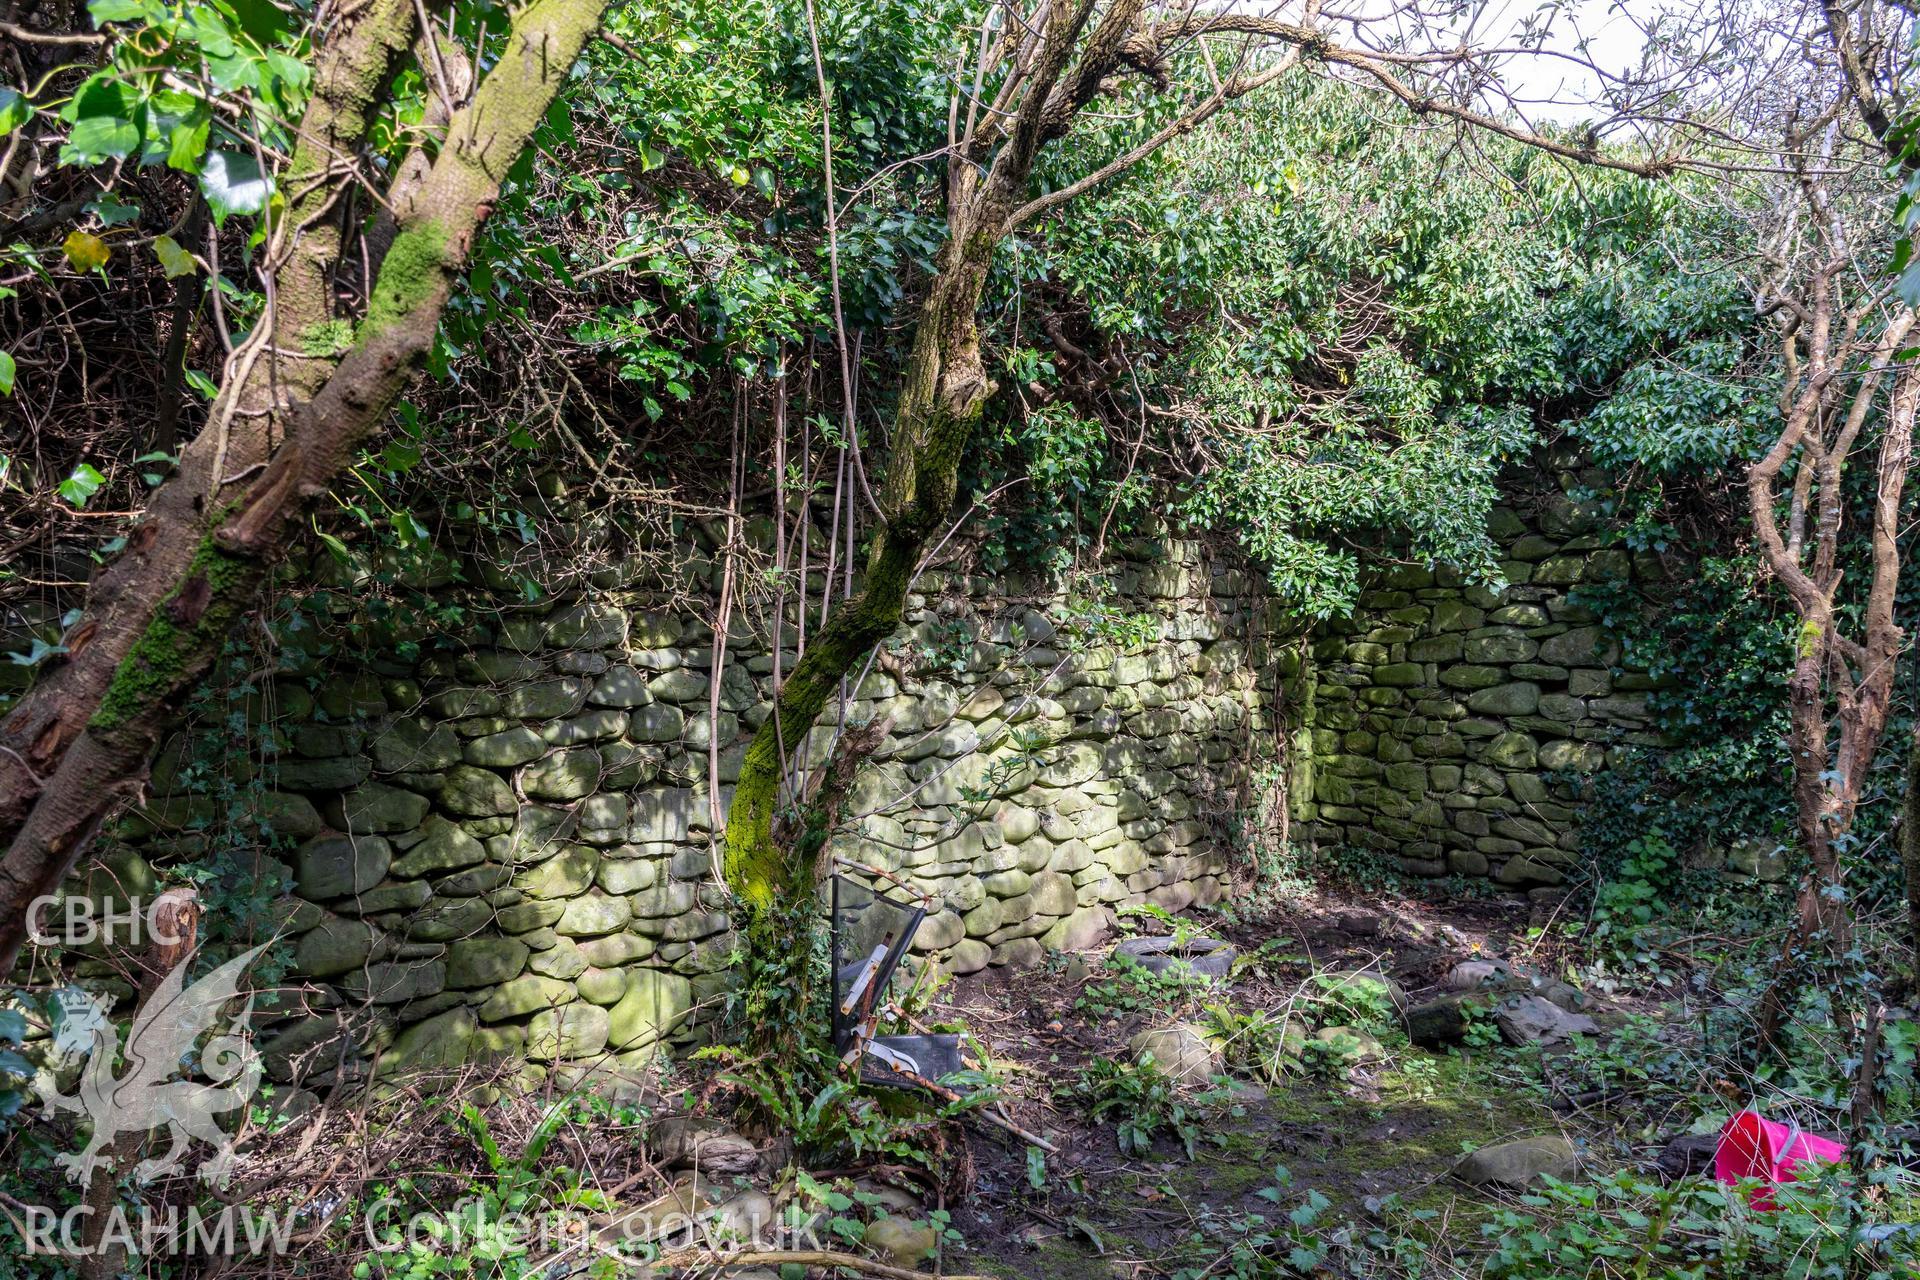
{"points": [[173, 625], [946, 385], [247, 420], [944, 389]]}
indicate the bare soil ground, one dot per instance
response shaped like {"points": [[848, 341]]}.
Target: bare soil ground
{"points": [[1391, 1128]]}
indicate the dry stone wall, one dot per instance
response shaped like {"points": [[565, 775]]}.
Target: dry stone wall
{"points": [[1447, 725], [505, 846], [496, 836]]}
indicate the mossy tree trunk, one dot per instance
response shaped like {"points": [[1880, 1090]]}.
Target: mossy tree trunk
{"points": [[1910, 856], [247, 419], [945, 386], [199, 560]]}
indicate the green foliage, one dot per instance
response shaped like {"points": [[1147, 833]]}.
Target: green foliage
{"points": [[1258, 1045], [1341, 331], [1717, 647], [1631, 898], [1128, 987], [1142, 1102], [1691, 1230], [1359, 1000], [1256, 1246], [494, 1225]]}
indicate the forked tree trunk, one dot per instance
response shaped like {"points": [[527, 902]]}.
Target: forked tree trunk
{"points": [[247, 420], [206, 561]]}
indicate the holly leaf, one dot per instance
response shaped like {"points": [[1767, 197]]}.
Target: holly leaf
{"points": [[233, 184], [174, 260], [85, 251]]}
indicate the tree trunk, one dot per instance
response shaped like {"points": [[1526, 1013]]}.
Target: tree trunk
{"points": [[945, 388], [173, 627], [247, 421], [1815, 801]]}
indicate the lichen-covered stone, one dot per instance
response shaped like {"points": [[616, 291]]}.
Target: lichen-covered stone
{"points": [[505, 749], [325, 774], [547, 699], [331, 866], [336, 946], [443, 1041], [485, 962], [445, 921], [576, 1030], [679, 685], [1517, 698], [654, 1005], [375, 808], [565, 875], [445, 848], [476, 793], [563, 775], [591, 915], [415, 746], [525, 994], [395, 982], [628, 875], [601, 986]]}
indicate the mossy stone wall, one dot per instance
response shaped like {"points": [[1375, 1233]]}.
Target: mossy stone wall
{"points": [[1447, 726], [503, 844]]}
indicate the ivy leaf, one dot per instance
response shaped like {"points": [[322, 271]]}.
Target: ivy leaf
{"points": [[80, 486], [112, 212], [187, 140], [174, 260], [233, 184], [15, 110], [105, 11], [1908, 285], [261, 19], [401, 456], [103, 115], [85, 251]]}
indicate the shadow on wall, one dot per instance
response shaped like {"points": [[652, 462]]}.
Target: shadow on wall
{"points": [[506, 848]]}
